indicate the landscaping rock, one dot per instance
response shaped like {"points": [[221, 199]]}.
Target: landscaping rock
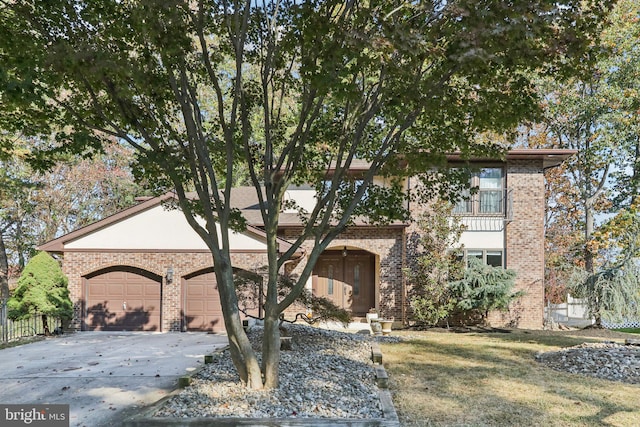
{"points": [[607, 360], [327, 374]]}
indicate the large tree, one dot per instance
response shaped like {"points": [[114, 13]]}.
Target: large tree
{"points": [[38, 206], [596, 114], [332, 82]]}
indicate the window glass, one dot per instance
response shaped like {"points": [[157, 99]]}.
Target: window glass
{"points": [[494, 258], [330, 280], [491, 178], [488, 194], [490, 201], [490, 190], [465, 205]]}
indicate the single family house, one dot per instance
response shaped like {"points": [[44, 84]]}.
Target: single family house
{"points": [[146, 269]]}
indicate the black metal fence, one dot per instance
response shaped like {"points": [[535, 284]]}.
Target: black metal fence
{"points": [[11, 330]]}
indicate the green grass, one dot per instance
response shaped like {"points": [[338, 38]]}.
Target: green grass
{"points": [[493, 379], [629, 330], [20, 341]]}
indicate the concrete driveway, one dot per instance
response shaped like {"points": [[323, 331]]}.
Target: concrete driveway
{"points": [[103, 376]]}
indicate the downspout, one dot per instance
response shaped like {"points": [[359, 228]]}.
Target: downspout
{"points": [[404, 282], [404, 259]]}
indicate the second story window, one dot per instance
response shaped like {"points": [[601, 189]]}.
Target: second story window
{"points": [[490, 190], [489, 193]]}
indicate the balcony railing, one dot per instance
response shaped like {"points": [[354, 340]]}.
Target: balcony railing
{"points": [[487, 203]]}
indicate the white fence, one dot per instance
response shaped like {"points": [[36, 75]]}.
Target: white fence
{"points": [[574, 313], [571, 313]]}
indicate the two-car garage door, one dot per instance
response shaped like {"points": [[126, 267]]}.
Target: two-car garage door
{"points": [[129, 299]]}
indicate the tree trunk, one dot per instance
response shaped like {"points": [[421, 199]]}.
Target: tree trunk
{"points": [[4, 270], [242, 355], [588, 232], [271, 338], [271, 348]]}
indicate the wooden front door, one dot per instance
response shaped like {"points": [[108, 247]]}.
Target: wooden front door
{"points": [[347, 281]]}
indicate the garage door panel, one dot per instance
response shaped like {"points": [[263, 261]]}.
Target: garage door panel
{"points": [[97, 289], [195, 305], [119, 300], [202, 304], [114, 289], [135, 289], [196, 290], [214, 306]]}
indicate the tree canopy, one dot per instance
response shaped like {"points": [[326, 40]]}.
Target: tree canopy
{"points": [[37, 206], [592, 197], [292, 92]]}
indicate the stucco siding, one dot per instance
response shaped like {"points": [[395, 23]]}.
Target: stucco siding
{"points": [[157, 228]]}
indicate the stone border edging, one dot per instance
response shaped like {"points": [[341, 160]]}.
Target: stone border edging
{"points": [[390, 417]]}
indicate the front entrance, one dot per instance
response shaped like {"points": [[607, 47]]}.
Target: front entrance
{"points": [[348, 281]]}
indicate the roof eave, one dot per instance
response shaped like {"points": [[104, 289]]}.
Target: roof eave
{"points": [[551, 157]]}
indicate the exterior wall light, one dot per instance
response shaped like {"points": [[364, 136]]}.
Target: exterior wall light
{"points": [[344, 252], [170, 275]]}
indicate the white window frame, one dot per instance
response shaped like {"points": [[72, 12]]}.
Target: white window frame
{"points": [[465, 255]]}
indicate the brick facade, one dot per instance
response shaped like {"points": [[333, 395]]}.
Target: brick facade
{"points": [[77, 265], [524, 243], [392, 246]]}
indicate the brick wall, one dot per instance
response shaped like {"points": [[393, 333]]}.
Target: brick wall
{"points": [[77, 265], [525, 243]]}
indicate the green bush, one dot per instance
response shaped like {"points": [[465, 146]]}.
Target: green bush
{"points": [[484, 288], [42, 289]]}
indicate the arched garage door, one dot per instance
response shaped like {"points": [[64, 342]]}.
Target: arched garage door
{"points": [[123, 299], [202, 309]]}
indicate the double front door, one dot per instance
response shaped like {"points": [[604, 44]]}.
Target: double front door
{"points": [[348, 281]]}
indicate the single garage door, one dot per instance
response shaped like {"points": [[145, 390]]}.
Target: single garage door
{"points": [[123, 299], [202, 309]]}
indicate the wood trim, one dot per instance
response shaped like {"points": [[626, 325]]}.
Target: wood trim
{"points": [[159, 251]]}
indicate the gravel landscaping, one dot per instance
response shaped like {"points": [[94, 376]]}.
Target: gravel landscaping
{"points": [[327, 374], [609, 361]]}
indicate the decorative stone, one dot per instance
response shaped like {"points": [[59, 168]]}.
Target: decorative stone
{"points": [[285, 344], [610, 361], [327, 374], [376, 327]]}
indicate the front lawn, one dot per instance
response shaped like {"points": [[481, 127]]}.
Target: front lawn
{"points": [[629, 330], [441, 378]]}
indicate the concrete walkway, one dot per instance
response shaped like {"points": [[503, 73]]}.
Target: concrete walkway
{"points": [[103, 376]]}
